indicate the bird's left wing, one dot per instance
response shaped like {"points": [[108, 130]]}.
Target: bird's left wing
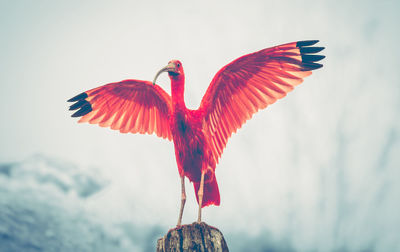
{"points": [[128, 106], [253, 82]]}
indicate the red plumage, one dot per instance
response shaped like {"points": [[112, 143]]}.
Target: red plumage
{"points": [[237, 91]]}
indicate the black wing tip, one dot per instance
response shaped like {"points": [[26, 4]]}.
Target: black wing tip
{"points": [[83, 106], [306, 43], [313, 49], [85, 109], [308, 66], [78, 97], [308, 56], [79, 104]]}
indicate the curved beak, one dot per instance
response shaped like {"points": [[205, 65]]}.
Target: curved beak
{"points": [[168, 68]]}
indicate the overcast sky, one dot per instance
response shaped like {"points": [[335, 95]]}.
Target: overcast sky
{"points": [[319, 168]]}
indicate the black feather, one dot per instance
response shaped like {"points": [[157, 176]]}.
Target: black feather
{"points": [[307, 66], [307, 58], [306, 43], [85, 109], [78, 104], [78, 97], [313, 49]]}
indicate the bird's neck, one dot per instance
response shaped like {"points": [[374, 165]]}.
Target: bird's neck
{"points": [[177, 92]]}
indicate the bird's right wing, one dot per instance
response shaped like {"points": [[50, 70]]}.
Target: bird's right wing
{"points": [[128, 106], [253, 82]]}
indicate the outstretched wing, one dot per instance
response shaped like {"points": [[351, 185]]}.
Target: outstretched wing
{"points": [[128, 106], [253, 82]]}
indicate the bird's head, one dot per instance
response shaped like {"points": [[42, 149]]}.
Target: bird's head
{"points": [[174, 69]]}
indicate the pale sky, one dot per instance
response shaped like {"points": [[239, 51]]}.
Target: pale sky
{"points": [[320, 167]]}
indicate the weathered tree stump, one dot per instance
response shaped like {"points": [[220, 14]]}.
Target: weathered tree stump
{"points": [[194, 237]]}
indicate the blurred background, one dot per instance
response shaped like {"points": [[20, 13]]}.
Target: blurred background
{"points": [[316, 171]]}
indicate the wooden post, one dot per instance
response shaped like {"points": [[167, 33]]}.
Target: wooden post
{"points": [[194, 237]]}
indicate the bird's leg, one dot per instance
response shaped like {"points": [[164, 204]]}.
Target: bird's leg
{"points": [[200, 193], [183, 200]]}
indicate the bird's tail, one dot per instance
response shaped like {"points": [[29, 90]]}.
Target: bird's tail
{"points": [[211, 192]]}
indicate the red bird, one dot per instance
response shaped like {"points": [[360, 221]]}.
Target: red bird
{"points": [[237, 91]]}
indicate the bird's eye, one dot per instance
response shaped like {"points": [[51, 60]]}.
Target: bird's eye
{"points": [[178, 65]]}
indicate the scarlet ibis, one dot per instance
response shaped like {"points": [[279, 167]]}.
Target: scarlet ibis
{"points": [[236, 92]]}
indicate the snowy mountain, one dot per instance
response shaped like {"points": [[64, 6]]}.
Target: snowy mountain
{"points": [[43, 208]]}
